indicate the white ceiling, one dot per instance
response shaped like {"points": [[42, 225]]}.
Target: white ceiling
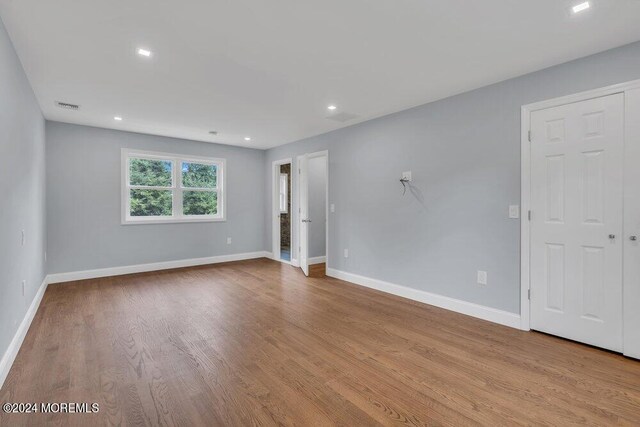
{"points": [[268, 69]]}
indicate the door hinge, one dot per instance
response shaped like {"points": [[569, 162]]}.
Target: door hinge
{"points": [[529, 215], [529, 294], [529, 135]]}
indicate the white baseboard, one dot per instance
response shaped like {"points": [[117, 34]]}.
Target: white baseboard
{"points": [[155, 266], [470, 309], [317, 260], [10, 355]]}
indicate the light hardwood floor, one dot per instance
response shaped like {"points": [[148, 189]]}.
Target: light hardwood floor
{"points": [[257, 343], [318, 270]]}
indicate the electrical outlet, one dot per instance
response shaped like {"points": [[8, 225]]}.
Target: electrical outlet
{"points": [[333, 207], [406, 175], [228, 240], [346, 253], [24, 285], [514, 211], [482, 277]]}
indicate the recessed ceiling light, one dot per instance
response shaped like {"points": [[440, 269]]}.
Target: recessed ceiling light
{"points": [[144, 52], [117, 118], [247, 138], [331, 107], [580, 7]]}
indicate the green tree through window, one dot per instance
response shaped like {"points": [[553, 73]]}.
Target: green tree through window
{"points": [[150, 173], [196, 175]]}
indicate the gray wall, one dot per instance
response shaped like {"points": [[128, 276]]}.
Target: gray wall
{"points": [[464, 153], [83, 202], [22, 185], [317, 172]]}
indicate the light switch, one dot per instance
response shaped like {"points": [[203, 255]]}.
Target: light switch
{"points": [[333, 207], [514, 211], [346, 253], [406, 175], [228, 240]]}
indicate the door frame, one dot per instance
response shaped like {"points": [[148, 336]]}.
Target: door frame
{"points": [[322, 153], [631, 133], [275, 213]]}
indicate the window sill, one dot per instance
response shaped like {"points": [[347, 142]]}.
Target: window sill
{"points": [[169, 221]]}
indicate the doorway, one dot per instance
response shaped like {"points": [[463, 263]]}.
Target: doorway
{"points": [[313, 170], [283, 213], [581, 193]]}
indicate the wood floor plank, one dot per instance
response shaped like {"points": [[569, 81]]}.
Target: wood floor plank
{"points": [[257, 343]]}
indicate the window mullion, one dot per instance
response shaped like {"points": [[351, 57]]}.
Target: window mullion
{"points": [[148, 187], [177, 184], [198, 189]]}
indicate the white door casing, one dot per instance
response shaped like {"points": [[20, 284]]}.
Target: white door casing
{"points": [[631, 290], [275, 226], [576, 227]]}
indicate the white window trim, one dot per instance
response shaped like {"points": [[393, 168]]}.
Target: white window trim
{"points": [[176, 187]]}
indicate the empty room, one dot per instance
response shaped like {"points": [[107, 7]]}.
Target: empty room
{"points": [[354, 213]]}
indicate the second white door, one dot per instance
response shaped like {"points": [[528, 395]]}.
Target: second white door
{"points": [[577, 219], [303, 162]]}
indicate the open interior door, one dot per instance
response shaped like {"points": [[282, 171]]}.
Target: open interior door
{"points": [[303, 217]]}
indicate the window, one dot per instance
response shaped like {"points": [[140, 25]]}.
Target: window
{"points": [[284, 199], [160, 187]]}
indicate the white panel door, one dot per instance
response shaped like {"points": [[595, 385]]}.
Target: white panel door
{"points": [[577, 218], [303, 162]]}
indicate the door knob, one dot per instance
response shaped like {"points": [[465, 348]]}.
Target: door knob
{"points": [[633, 238]]}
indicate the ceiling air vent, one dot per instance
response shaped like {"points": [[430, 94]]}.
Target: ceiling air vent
{"points": [[67, 106], [342, 117]]}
